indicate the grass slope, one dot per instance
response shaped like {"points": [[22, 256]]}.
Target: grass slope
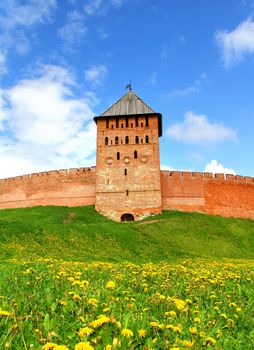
{"points": [[82, 234]]}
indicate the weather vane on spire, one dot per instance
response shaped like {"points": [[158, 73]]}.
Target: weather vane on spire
{"points": [[128, 86]]}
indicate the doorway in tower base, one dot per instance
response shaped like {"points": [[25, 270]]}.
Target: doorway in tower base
{"points": [[127, 217]]}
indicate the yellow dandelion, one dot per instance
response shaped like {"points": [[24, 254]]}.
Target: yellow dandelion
{"points": [[187, 344], [193, 330], [84, 346], [127, 333], [180, 304], [49, 346], [197, 320], [4, 313], [153, 324], [85, 331], [61, 347], [110, 285], [141, 333], [106, 309], [108, 347]]}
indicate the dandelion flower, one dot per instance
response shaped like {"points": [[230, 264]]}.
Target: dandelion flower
{"points": [[85, 331], [141, 333], [193, 330], [110, 285], [49, 346], [127, 333], [84, 346]]}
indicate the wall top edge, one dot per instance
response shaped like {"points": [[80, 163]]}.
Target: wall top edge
{"points": [[205, 175], [173, 173], [49, 173]]}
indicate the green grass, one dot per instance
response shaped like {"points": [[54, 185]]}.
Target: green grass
{"points": [[81, 234]]}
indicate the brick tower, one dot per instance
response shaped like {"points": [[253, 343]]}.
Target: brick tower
{"points": [[128, 160]]}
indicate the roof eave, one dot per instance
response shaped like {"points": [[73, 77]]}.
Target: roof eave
{"points": [[131, 115]]}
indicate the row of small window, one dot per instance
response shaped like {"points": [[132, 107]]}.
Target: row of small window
{"points": [[127, 123], [135, 155], [126, 140]]}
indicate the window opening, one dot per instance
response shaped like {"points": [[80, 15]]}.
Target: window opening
{"points": [[118, 155], [125, 171], [117, 122], [135, 154], [147, 122], [131, 125], [116, 140], [111, 142], [147, 139], [106, 140], [121, 125], [141, 125], [136, 139], [107, 123], [136, 120], [127, 122], [141, 140], [127, 140], [112, 126], [127, 193]]}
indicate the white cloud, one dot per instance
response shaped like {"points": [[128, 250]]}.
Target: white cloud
{"points": [[96, 75], [235, 45], [215, 167], [166, 167], [47, 126], [74, 30], [197, 129], [192, 89], [100, 7], [17, 19]]}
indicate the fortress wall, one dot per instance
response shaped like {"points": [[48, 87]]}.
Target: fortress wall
{"points": [[189, 191], [217, 194], [70, 187]]}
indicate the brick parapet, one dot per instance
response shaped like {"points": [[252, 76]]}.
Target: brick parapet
{"points": [[209, 176]]}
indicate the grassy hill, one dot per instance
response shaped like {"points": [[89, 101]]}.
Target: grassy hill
{"points": [[82, 234]]}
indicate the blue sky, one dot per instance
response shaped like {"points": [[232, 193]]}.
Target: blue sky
{"points": [[63, 62]]}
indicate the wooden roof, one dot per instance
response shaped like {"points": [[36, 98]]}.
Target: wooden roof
{"points": [[130, 103]]}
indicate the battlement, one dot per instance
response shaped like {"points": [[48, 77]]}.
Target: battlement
{"points": [[207, 176], [49, 174]]}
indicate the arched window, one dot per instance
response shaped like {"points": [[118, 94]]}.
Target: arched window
{"points": [[125, 171], [118, 155], [116, 140], [127, 140], [141, 125], [136, 139], [106, 140], [135, 154], [147, 139]]}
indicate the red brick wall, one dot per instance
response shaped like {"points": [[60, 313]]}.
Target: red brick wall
{"points": [[71, 187], [217, 195], [230, 196]]}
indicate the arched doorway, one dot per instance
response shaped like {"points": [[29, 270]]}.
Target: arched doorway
{"points": [[127, 217]]}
